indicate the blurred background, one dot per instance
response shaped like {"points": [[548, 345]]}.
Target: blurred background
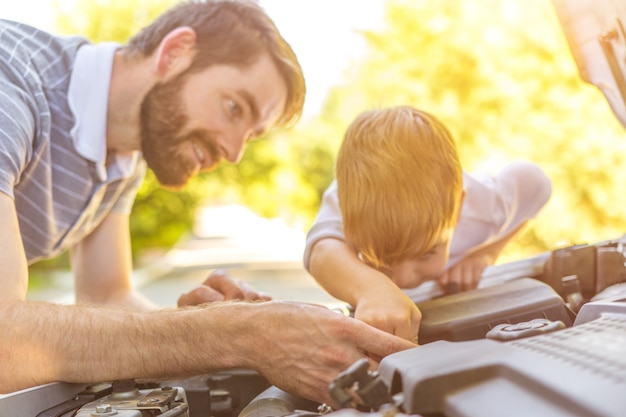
{"points": [[498, 73]]}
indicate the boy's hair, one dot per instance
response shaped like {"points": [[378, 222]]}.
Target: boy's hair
{"points": [[399, 183], [229, 32]]}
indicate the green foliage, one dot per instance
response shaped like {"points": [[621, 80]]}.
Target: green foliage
{"points": [[273, 177], [107, 20], [160, 217]]}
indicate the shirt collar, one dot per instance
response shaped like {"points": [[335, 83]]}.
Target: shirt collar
{"points": [[88, 98]]}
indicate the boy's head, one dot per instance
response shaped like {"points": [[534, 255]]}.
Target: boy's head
{"points": [[400, 188]]}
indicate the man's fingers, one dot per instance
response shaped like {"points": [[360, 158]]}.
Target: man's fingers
{"points": [[250, 294], [243, 291], [221, 281], [234, 289], [407, 333], [383, 343], [199, 295]]}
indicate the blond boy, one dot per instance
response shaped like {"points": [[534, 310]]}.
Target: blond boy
{"points": [[402, 211]]}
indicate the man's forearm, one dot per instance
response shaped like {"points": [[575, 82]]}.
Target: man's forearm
{"points": [[132, 300], [44, 342], [298, 347]]}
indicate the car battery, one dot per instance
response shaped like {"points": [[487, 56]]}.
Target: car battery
{"points": [[472, 314]]}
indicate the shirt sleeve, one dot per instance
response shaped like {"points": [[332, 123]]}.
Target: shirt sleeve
{"points": [[328, 222], [17, 127], [125, 202], [497, 204]]}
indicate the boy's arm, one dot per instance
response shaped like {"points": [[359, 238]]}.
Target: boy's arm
{"points": [[465, 274], [376, 299], [336, 267], [518, 192]]}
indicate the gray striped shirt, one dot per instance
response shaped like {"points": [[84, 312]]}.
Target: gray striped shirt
{"points": [[59, 194]]}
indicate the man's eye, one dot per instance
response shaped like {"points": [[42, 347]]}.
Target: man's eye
{"points": [[233, 108]]}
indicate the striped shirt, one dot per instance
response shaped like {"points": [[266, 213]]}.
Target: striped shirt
{"points": [[61, 192]]}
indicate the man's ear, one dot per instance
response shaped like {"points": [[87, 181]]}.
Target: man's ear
{"points": [[175, 52]]}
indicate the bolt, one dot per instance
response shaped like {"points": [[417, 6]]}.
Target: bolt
{"points": [[103, 408]]}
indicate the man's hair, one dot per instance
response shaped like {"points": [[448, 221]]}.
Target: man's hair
{"points": [[229, 32], [399, 183]]}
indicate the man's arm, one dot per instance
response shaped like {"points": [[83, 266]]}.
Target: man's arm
{"points": [[298, 347], [13, 264], [102, 266]]}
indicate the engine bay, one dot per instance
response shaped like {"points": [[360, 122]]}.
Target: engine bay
{"points": [[544, 336], [524, 343]]}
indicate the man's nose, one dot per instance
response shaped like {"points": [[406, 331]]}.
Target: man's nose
{"points": [[235, 145]]}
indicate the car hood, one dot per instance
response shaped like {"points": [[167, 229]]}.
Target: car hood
{"points": [[595, 32]]}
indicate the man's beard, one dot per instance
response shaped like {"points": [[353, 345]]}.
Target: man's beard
{"points": [[163, 121]]}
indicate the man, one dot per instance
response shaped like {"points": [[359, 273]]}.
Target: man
{"points": [[78, 124]]}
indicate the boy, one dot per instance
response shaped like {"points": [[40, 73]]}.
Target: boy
{"points": [[402, 211]]}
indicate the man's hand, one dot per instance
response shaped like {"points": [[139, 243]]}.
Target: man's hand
{"points": [[220, 286], [392, 311], [301, 348]]}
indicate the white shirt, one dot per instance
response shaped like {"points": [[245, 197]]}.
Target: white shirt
{"points": [[494, 205], [88, 97]]}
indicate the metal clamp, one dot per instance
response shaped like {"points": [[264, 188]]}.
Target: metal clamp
{"points": [[357, 380]]}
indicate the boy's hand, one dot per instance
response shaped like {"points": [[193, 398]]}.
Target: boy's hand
{"points": [[464, 275], [392, 311]]}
